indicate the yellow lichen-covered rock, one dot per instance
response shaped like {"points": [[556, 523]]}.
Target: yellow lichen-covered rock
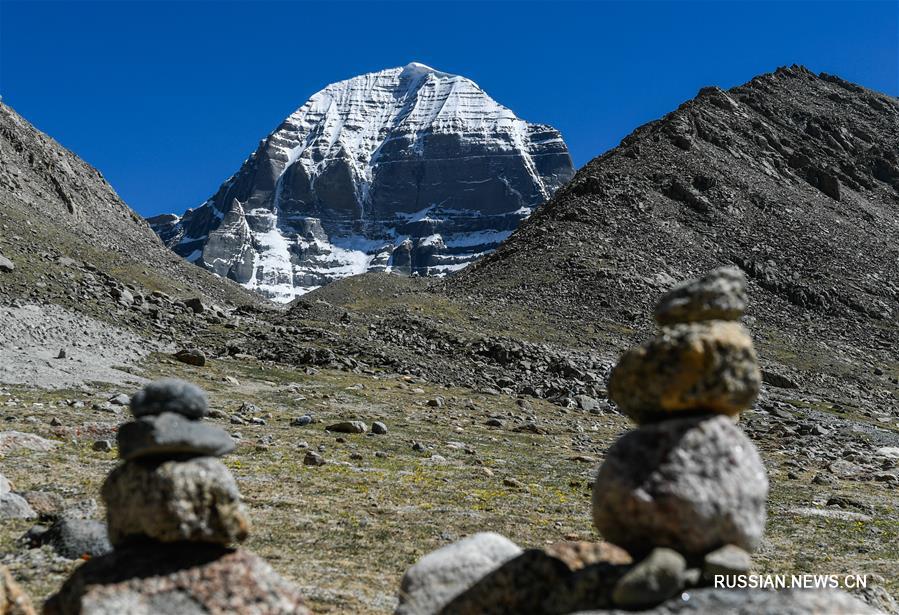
{"points": [[701, 367]]}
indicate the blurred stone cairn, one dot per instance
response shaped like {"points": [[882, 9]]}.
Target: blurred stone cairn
{"points": [[680, 499], [173, 512]]}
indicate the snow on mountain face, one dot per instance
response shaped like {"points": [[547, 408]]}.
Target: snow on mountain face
{"points": [[408, 169]]}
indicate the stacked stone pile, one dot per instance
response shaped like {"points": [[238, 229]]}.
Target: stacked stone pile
{"points": [[687, 484], [687, 478], [173, 512], [680, 499]]}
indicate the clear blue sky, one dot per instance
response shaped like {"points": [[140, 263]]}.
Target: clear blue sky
{"points": [[167, 98]]}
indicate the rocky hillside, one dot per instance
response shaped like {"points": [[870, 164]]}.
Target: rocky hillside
{"points": [[408, 169], [86, 288], [58, 214], [792, 177]]}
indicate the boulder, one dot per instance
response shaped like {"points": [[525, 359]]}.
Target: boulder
{"points": [[311, 458], [580, 554], [585, 402], [538, 582], [520, 585], [441, 575], [170, 395], [196, 305], [120, 399], [13, 440], [171, 501], [14, 506], [692, 484], [688, 368], [653, 580], [191, 356], [45, 504], [75, 538], [348, 427], [718, 295], [728, 561], [169, 434], [176, 579], [6, 265], [778, 380]]}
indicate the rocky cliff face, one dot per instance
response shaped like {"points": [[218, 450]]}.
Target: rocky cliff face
{"points": [[408, 169]]}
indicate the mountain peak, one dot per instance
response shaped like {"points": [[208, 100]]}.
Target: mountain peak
{"points": [[417, 69], [408, 169]]}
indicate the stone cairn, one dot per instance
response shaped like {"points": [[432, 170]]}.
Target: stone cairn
{"points": [[687, 486], [679, 499], [173, 510]]}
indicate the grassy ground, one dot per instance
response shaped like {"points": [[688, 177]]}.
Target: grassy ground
{"points": [[346, 531]]}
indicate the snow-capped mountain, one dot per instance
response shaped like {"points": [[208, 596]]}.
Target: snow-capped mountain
{"points": [[408, 169]]}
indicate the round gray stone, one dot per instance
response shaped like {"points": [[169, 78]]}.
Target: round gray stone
{"points": [[301, 421], [14, 506], [74, 538], [170, 395], [692, 484], [653, 580], [195, 500], [169, 434], [441, 575]]}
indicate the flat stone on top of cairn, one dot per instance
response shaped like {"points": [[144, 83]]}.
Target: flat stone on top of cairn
{"points": [[718, 295], [170, 395]]}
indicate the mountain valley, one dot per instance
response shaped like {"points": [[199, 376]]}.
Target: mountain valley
{"points": [[491, 382]]}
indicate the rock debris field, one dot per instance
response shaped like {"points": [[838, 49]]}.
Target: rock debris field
{"points": [[678, 499], [34, 335]]}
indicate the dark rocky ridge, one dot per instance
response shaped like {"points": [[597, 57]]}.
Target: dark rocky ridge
{"points": [[792, 177], [57, 213]]}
